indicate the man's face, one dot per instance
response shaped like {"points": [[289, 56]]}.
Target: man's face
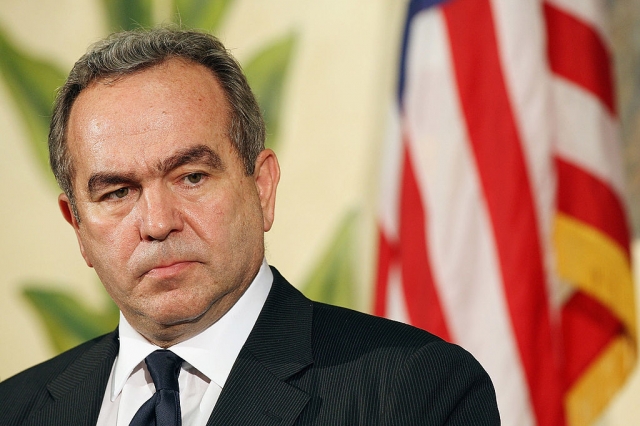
{"points": [[168, 218]]}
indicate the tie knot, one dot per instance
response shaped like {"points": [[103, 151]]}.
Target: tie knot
{"points": [[164, 367]]}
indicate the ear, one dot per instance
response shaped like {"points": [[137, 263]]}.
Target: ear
{"points": [[267, 176], [65, 207]]}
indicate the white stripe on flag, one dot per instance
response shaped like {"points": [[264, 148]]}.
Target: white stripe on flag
{"points": [[390, 175], [463, 253], [521, 42], [396, 306], [583, 125]]}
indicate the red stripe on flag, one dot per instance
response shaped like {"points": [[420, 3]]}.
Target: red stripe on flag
{"points": [[590, 200], [587, 327], [502, 170], [385, 257], [421, 296], [577, 53]]}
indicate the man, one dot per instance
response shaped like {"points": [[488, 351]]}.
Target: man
{"points": [[158, 145]]}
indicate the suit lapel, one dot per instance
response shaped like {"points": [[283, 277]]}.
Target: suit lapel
{"points": [[279, 346], [76, 394]]}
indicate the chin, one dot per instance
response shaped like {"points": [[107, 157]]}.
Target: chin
{"points": [[176, 318], [166, 312]]}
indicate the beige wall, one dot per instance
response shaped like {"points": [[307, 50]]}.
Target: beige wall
{"points": [[328, 146], [341, 80]]}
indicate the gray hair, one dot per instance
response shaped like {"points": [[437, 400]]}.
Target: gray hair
{"points": [[128, 52]]}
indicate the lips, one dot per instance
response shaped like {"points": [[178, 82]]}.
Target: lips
{"points": [[166, 258], [164, 268], [167, 270]]}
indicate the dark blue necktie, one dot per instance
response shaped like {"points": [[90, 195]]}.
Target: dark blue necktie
{"points": [[163, 408]]}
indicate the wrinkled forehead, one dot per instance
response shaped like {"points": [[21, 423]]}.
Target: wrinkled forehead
{"points": [[173, 104], [174, 82]]}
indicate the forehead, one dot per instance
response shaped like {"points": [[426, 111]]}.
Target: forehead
{"points": [[163, 107]]}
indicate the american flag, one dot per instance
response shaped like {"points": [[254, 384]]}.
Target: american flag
{"points": [[502, 225]]}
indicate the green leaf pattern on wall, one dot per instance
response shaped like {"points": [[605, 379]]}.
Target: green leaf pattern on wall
{"points": [[332, 279], [68, 320], [32, 82], [267, 73], [128, 14], [204, 14]]}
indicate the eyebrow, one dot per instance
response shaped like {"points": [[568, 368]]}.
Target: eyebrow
{"points": [[196, 154], [101, 180]]}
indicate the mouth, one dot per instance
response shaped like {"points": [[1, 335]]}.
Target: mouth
{"points": [[169, 270]]}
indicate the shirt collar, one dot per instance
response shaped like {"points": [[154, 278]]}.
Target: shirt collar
{"points": [[213, 352]]}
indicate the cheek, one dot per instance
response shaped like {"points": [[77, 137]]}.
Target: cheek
{"points": [[108, 245], [226, 219], [209, 222]]}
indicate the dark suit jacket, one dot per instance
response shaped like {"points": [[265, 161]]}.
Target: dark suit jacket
{"points": [[304, 363]]}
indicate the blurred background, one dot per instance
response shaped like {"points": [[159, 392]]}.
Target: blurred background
{"points": [[326, 76]]}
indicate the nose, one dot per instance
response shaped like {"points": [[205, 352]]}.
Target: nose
{"points": [[159, 214]]}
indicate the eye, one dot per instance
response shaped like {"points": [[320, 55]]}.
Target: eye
{"points": [[194, 177], [120, 193]]}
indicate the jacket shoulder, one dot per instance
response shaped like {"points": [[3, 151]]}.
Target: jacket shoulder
{"points": [[27, 390], [416, 377], [341, 324]]}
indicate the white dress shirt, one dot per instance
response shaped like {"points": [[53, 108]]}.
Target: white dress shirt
{"points": [[208, 358]]}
